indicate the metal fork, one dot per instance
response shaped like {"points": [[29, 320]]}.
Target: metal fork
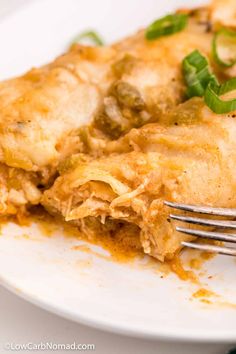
{"points": [[216, 224]]}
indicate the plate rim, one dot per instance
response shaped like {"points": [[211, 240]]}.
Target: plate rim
{"points": [[172, 335]]}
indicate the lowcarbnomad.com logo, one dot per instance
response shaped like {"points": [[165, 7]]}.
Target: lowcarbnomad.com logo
{"points": [[11, 346]]}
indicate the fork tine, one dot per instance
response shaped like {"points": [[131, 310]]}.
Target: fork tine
{"points": [[229, 251], [202, 209], [205, 222], [210, 235]]}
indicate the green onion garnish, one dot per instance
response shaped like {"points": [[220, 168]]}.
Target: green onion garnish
{"points": [[197, 74], [213, 100], [89, 36], [167, 25], [224, 47]]}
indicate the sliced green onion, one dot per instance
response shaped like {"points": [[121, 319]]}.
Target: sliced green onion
{"points": [[213, 100], [224, 47], [89, 36], [167, 25], [197, 74]]}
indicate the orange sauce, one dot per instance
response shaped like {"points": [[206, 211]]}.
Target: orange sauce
{"points": [[203, 296], [124, 253], [117, 250], [197, 262], [196, 259], [226, 304], [48, 225], [177, 267], [87, 249], [204, 293]]}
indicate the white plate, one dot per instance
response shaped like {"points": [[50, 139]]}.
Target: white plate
{"points": [[84, 287]]}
